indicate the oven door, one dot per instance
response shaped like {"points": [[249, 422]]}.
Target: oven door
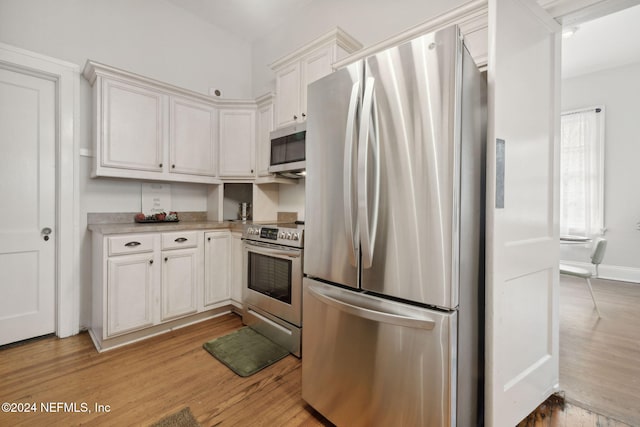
{"points": [[273, 280]]}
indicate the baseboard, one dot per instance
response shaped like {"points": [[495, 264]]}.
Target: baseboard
{"points": [[611, 272]]}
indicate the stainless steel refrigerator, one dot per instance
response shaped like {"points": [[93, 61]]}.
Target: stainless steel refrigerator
{"points": [[394, 248]]}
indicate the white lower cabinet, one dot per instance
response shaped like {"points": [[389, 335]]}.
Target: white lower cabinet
{"points": [[130, 283], [147, 283], [179, 283], [236, 269], [217, 251]]}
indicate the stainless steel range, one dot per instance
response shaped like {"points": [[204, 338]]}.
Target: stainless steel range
{"points": [[272, 278]]}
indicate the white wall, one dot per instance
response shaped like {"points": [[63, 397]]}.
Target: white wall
{"points": [[618, 90], [368, 21], [148, 37]]}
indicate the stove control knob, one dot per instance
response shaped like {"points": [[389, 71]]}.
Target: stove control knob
{"points": [[296, 236], [288, 236], [281, 235]]}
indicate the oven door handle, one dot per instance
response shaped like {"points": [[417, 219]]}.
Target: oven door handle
{"points": [[292, 253]]}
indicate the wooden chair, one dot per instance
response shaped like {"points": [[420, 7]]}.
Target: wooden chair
{"points": [[597, 254]]}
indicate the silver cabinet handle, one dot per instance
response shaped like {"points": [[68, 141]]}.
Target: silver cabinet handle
{"points": [[334, 300], [132, 244], [181, 240]]}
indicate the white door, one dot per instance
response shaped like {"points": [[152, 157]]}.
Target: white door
{"points": [[27, 192], [522, 210]]}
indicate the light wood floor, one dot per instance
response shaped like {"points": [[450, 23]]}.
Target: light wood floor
{"points": [[600, 358], [143, 382], [146, 381]]}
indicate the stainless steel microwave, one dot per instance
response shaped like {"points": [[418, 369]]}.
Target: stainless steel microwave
{"points": [[288, 150]]}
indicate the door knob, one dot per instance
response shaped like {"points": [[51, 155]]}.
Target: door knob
{"points": [[46, 231]]}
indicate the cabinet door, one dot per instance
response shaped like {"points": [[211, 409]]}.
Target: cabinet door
{"points": [[314, 67], [179, 283], [133, 127], [288, 95], [263, 142], [130, 281], [217, 252], [193, 137], [237, 143], [237, 272]]}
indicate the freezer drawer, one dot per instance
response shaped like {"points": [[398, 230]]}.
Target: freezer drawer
{"points": [[374, 362]]}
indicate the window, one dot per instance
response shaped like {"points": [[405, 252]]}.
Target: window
{"points": [[582, 172]]}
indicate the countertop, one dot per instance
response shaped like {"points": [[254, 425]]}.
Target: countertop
{"points": [[132, 227], [117, 223]]}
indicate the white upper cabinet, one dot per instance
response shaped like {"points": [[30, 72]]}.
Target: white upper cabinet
{"points": [[193, 137], [264, 125], [307, 64], [146, 129], [237, 143], [288, 88], [133, 127]]}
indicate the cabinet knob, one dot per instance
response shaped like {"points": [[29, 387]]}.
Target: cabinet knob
{"points": [[160, 165], [150, 261], [295, 117], [173, 166], [208, 239], [304, 115], [166, 259]]}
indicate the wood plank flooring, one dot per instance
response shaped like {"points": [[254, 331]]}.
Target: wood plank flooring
{"points": [[600, 358], [144, 382]]}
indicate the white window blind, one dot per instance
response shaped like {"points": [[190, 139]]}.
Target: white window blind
{"points": [[582, 172]]}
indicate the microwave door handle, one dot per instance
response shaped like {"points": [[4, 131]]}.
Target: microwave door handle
{"points": [[368, 135], [350, 230]]}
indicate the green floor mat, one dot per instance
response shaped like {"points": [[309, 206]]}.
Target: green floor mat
{"points": [[245, 351]]}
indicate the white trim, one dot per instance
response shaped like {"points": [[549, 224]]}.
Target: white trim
{"points": [[67, 79], [93, 69], [610, 272], [336, 35]]}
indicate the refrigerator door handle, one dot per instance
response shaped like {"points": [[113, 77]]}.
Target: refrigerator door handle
{"points": [[334, 299], [350, 229], [368, 132]]}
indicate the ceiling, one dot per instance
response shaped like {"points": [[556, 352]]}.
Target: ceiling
{"points": [[247, 19], [607, 42]]}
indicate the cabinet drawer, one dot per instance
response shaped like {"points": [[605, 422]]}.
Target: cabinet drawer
{"points": [[130, 244], [179, 239]]}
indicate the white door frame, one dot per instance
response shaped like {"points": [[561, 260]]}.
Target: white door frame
{"points": [[67, 79]]}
